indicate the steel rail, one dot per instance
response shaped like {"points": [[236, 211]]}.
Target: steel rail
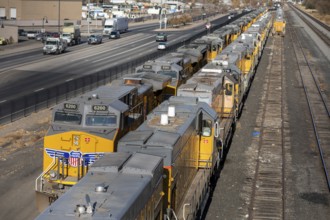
{"points": [[317, 31], [293, 33], [315, 80], [325, 26]]}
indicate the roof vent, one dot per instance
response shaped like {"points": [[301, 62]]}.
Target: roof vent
{"points": [[164, 119], [80, 209], [171, 111], [95, 96], [100, 188]]}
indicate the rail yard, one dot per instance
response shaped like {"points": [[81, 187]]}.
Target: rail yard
{"points": [[245, 135]]}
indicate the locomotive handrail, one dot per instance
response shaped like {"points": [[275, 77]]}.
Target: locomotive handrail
{"points": [[43, 173]]}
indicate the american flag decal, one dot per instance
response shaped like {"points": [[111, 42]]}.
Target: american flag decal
{"points": [[75, 158], [74, 161]]}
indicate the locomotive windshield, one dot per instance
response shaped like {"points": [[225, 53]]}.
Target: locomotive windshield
{"points": [[101, 120], [172, 74], [68, 118]]}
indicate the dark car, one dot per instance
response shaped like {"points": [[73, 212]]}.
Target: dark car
{"points": [[22, 33], [43, 36], [55, 34], [161, 37], [114, 35], [94, 39]]}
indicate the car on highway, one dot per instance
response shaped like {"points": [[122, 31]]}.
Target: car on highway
{"points": [[43, 36], [161, 46], [114, 35], [22, 32], [161, 37], [32, 34], [94, 39]]}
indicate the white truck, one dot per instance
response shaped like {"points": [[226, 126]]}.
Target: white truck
{"points": [[115, 24], [54, 45], [71, 33]]}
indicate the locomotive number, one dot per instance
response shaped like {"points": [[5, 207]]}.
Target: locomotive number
{"points": [[100, 108], [70, 106]]}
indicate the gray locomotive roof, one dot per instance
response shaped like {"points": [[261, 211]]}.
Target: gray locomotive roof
{"points": [[156, 81], [211, 68], [233, 27], [248, 41], [223, 32], [226, 56], [199, 47], [157, 65], [195, 55], [185, 57], [110, 92], [164, 140], [213, 38], [170, 59], [193, 48], [125, 193], [202, 82], [104, 95]]}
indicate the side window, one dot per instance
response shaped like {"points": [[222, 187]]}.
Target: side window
{"points": [[207, 128], [229, 89]]}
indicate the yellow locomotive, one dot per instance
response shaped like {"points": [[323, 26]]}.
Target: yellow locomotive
{"points": [[86, 127], [279, 23]]}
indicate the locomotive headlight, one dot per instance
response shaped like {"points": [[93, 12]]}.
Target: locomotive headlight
{"points": [[76, 140], [53, 174]]}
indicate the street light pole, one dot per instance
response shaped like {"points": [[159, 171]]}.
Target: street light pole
{"points": [[44, 19], [59, 15]]}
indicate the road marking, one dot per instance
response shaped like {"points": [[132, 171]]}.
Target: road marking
{"points": [[114, 48], [3, 101], [68, 80], [37, 90], [104, 58]]}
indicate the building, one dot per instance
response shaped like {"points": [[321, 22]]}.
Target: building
{"points": [[36, 10], [36, 14]]}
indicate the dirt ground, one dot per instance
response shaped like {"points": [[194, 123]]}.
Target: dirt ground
{"points": [[20, 164]]}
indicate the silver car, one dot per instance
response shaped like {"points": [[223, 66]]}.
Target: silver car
{"points": [[95, 39]]}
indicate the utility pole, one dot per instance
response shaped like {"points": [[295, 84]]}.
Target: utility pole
{"points": [[59, 16]]}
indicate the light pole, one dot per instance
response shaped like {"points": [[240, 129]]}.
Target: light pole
{"points": [[44, 20], [59, 15]]}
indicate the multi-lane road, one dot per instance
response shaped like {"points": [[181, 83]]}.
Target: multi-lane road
{"points": [[28, 71]]}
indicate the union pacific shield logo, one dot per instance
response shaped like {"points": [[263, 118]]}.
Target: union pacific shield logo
{"points": [[75, 158]]}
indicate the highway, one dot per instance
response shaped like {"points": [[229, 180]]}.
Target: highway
{"points": [[30, 71]]}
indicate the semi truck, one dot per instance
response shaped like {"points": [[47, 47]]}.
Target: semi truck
{"points": [[71, 33], [54, 45], [115, 24]]}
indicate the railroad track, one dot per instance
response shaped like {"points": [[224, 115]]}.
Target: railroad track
{"points": [[317, 102], [267, 186], [317, 31]]}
